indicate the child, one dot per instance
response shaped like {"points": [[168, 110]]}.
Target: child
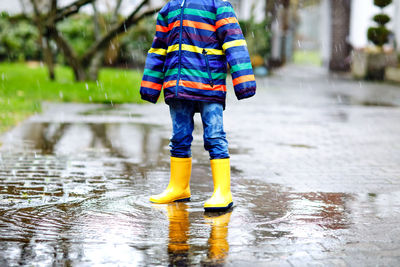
{"points": [[194, 41]]}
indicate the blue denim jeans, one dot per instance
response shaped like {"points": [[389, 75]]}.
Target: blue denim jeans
{"points": [[182, 112]]}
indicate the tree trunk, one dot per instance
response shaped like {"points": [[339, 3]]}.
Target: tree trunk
{"points": [[270, 13], [340, 48], [47, 53], [48, 58], [97, 60], [285, 28], [95, 66]]}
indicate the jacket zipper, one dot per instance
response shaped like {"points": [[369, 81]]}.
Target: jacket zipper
{"points": [[211, 82], [180, 48]]}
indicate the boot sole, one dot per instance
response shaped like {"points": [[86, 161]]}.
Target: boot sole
{"points": [[183, 200], [217, 209]]}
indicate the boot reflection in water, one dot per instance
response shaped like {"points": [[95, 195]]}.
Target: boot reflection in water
{"points": [[218, 244], [178, 247]]}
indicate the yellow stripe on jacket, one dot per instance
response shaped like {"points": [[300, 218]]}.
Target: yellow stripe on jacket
{"points": [[195, 49], [235, 43], [158, 51]]}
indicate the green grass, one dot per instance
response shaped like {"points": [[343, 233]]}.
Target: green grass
{"points": [[303, 57], [24, 87]]}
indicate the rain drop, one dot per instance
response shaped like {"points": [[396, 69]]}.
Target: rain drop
{"points": [[87, 87], [61, 94], [106, 95]]}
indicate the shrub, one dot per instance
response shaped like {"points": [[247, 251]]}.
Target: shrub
{"points": [[380, 35], [382, 3], [381, 19]]}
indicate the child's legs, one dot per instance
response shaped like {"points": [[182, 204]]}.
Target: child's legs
{"points": [[214, 136], [182, 113]]}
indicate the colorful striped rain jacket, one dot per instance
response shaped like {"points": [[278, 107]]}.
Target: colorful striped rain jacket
{"points": [[194, 41]]}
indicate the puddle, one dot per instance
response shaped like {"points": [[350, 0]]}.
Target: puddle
{"points": [[298, 146], [77, 194], [366, 101], [92, 209], [110, 110]]}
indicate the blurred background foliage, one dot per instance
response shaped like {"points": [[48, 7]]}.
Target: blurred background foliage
{"points": [[79, 32], [258, 40], [19, 40]]}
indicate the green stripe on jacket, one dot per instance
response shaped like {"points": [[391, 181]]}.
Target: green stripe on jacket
{"points": [[153, 73], [191, 11], [196, 73], [239, 67], [225, 9]]}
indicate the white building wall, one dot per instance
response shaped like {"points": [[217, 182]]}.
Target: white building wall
{"points": [[397, 22], [246, 8], [325, 31]]}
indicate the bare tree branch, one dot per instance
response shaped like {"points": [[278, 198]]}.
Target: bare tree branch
{"points": [[97, 33], [53, 5], [71, 9], [86, 66], [35, 8], [68, 51], [22, 4], [116, 11], [116, 30]]}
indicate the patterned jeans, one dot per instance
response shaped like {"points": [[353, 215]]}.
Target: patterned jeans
{"points": [[182, 112]]}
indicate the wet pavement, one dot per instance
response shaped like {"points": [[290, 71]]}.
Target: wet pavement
{"points": [[315, 178]]}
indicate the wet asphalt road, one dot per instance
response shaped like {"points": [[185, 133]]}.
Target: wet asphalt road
{"points": [[315, 179]]}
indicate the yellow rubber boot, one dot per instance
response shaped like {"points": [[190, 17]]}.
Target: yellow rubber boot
{"points": [[222, 196], [178, 188]]}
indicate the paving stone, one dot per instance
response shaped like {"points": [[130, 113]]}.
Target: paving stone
{"points": [[315, 177]]}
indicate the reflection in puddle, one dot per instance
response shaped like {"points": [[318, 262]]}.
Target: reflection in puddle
{"points": [[178, 234], [179, 246], [218, 244]]}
